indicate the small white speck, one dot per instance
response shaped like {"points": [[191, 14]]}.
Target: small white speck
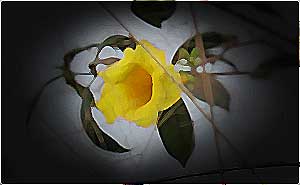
{"points": [[208, 67], [199, 69]]}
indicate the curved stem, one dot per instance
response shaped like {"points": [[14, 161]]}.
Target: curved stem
{"points": [[231, 73], [39, 94], [84, 74], [217, 171], [37, 98]]}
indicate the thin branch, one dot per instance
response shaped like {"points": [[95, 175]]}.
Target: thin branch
{"points": [[180, 85], [39, 94], [37, 98], [242, 44], [212, 59], [216, 136], [208, 92], [84, 74], [231, 73], [229, 63], [217, 171]]}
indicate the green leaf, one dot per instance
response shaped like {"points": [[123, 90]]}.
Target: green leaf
{"points": [[119, 41], [176, 131], [195, 58], [220, 94], [195, 53], [210, 40], [70, 80], [153, 12], [183, 54], [106, 61], [221, 97], [97, 136]]}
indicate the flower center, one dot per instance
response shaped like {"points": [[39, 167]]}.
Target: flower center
{"points": [[138, 85]]}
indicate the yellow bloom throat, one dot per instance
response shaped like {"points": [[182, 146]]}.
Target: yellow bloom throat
{"points": [[136, 88]]}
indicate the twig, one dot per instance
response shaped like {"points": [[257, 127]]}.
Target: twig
{"points": [[39, 94], [37, 98], [84, 74], [208, 92], [231, 73], [180, 85], [214, 58], [217, 171]]}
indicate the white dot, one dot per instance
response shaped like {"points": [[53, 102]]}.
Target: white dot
{"points": [[208, 67], [199, 69]]}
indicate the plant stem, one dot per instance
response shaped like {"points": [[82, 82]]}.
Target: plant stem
{"points": [[231, 73], [180, 85], [208, 92], [37, 97], [217, 171]]}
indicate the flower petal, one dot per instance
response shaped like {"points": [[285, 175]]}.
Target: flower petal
{"points": [[137, 88]]}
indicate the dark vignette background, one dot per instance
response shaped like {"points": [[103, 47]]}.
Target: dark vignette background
{"points": [[25, 25]]}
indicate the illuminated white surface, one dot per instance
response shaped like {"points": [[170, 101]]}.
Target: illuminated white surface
{"points": [[147, 149]]}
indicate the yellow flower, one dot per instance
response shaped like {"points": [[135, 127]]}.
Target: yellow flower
{"points": [[136, 88]]}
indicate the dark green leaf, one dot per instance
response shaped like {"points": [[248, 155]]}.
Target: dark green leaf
{"points": [[153, 12], [106, 61], [119, 41], [97, 136], [221, 97], [70, 80], [220, 94], [210, 40], [176, 131]]}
